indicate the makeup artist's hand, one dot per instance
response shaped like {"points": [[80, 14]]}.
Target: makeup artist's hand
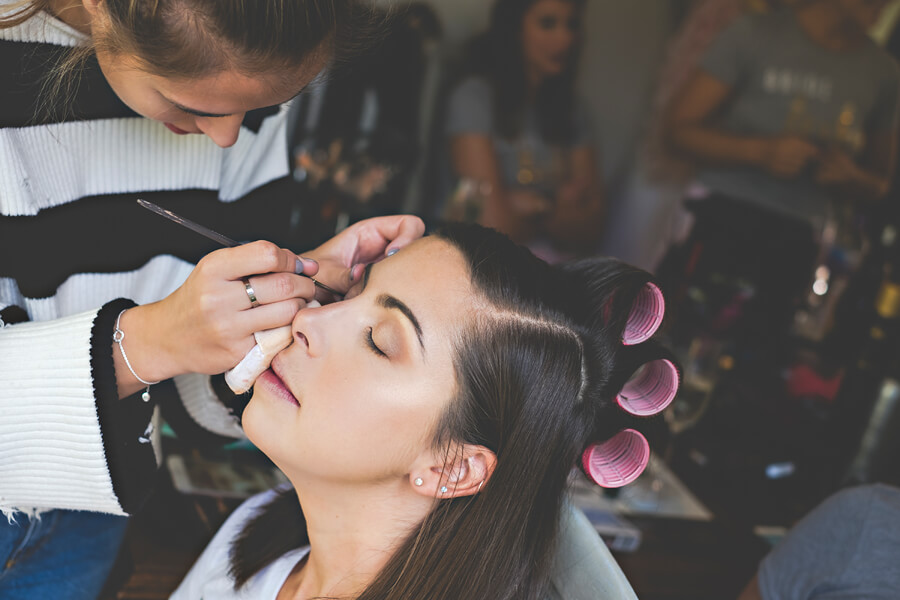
{"points": [[207, 324], [343, 258]]}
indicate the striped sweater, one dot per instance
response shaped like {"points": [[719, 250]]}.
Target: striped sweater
{"points": [[75, 249]]}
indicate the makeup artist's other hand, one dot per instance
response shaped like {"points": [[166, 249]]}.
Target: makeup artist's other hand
{"points": [[343, 258], [836, 167], [787, 156], [207, 324]]}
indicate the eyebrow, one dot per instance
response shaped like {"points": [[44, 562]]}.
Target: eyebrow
{"points": [[193, 111], [200, 113], [391, 302]]}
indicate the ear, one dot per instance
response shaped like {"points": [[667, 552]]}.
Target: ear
{"points": [[465, 471], [91, 6]]}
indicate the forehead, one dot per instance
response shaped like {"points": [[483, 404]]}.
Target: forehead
{"points": [[432, 277], [231, 91], [552, 7]]}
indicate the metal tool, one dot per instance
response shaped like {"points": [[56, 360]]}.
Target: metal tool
{"points": [[215, 236]]}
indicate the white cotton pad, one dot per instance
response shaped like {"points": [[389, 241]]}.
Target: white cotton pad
{"points": [[268, 343]]}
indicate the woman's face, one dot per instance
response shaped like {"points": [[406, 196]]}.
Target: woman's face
{"points": [[213, 105], [356, 397], [549, 33]]}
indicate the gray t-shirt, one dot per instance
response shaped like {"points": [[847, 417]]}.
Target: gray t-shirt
{"points": [[528, 161], [848, 548], [785, 84]]}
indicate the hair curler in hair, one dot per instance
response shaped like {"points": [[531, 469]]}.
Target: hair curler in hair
{"points": [[646, 315], [618, 461], [650, 389]]}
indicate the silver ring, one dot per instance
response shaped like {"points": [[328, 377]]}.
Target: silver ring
{"points": [[250, 293]]}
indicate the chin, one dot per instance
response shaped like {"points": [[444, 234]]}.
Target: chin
{"points": [[252, 421]]}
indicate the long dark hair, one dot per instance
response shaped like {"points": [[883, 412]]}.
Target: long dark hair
{"points": [[497, 56], [537, 373]]}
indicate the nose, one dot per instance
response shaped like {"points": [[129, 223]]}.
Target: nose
{"points": [[316, 327], [221, 130], [565, 37]]}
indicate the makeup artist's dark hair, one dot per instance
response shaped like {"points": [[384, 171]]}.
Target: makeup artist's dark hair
{"points": [[537, 370], [497, 56]]}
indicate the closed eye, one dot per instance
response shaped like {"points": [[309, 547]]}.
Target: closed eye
{"points": [[371, 342]]}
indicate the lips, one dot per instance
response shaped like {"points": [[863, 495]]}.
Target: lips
{"points": [[174, 129], [275, 384]]}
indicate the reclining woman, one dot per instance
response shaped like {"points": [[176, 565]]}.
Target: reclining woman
{"points": [[429, 423]]}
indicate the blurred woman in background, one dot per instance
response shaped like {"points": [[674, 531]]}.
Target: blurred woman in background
{"points": [[517, 130]]}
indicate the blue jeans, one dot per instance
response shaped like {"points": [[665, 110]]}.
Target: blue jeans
{"points": [[64, 554]]}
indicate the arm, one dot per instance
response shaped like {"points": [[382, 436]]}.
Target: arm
{"points": [[514, 213], [751, 592], [68, 437], [688, 129], [61, 417], [871, 179], [580, 206]]}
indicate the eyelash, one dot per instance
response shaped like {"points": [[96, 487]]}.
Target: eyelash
{"points": [[371, 342]]}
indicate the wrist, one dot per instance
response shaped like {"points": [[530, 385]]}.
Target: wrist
{"points": [[757, 151], [145, 345]]}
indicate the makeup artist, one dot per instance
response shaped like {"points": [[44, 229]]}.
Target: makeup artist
{"points": [[101, 104]]}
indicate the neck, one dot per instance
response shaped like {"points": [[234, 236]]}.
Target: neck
{"points": [[828, 26], [72, 13], [352, 535], [533, 81]]}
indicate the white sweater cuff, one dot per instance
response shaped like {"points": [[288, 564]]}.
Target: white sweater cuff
{"points": [[51, 445]]}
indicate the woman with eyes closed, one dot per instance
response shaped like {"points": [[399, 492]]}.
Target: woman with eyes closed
{"points": [[516, 127], [177, 102], [428, 425]]}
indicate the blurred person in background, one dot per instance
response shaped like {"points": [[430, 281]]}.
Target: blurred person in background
{"points": [[791, 121], [517, 129], [845, 549]]}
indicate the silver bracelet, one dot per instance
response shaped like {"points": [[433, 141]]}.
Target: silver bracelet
{"points": [[118, 336]]}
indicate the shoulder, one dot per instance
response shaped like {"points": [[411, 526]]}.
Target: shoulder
{"points": [[854, 499], [210, 576], [234, 524], [472, 89], [882, 63], [752, 27], [42, 28], [749, 24], [469, 108], [877, 504]]}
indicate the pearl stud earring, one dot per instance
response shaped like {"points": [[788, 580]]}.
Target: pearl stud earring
{"points": [[418, 481]]}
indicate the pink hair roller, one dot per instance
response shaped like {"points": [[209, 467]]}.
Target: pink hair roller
{"points": [[650, 389], [646, 315], [618, 461]]}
